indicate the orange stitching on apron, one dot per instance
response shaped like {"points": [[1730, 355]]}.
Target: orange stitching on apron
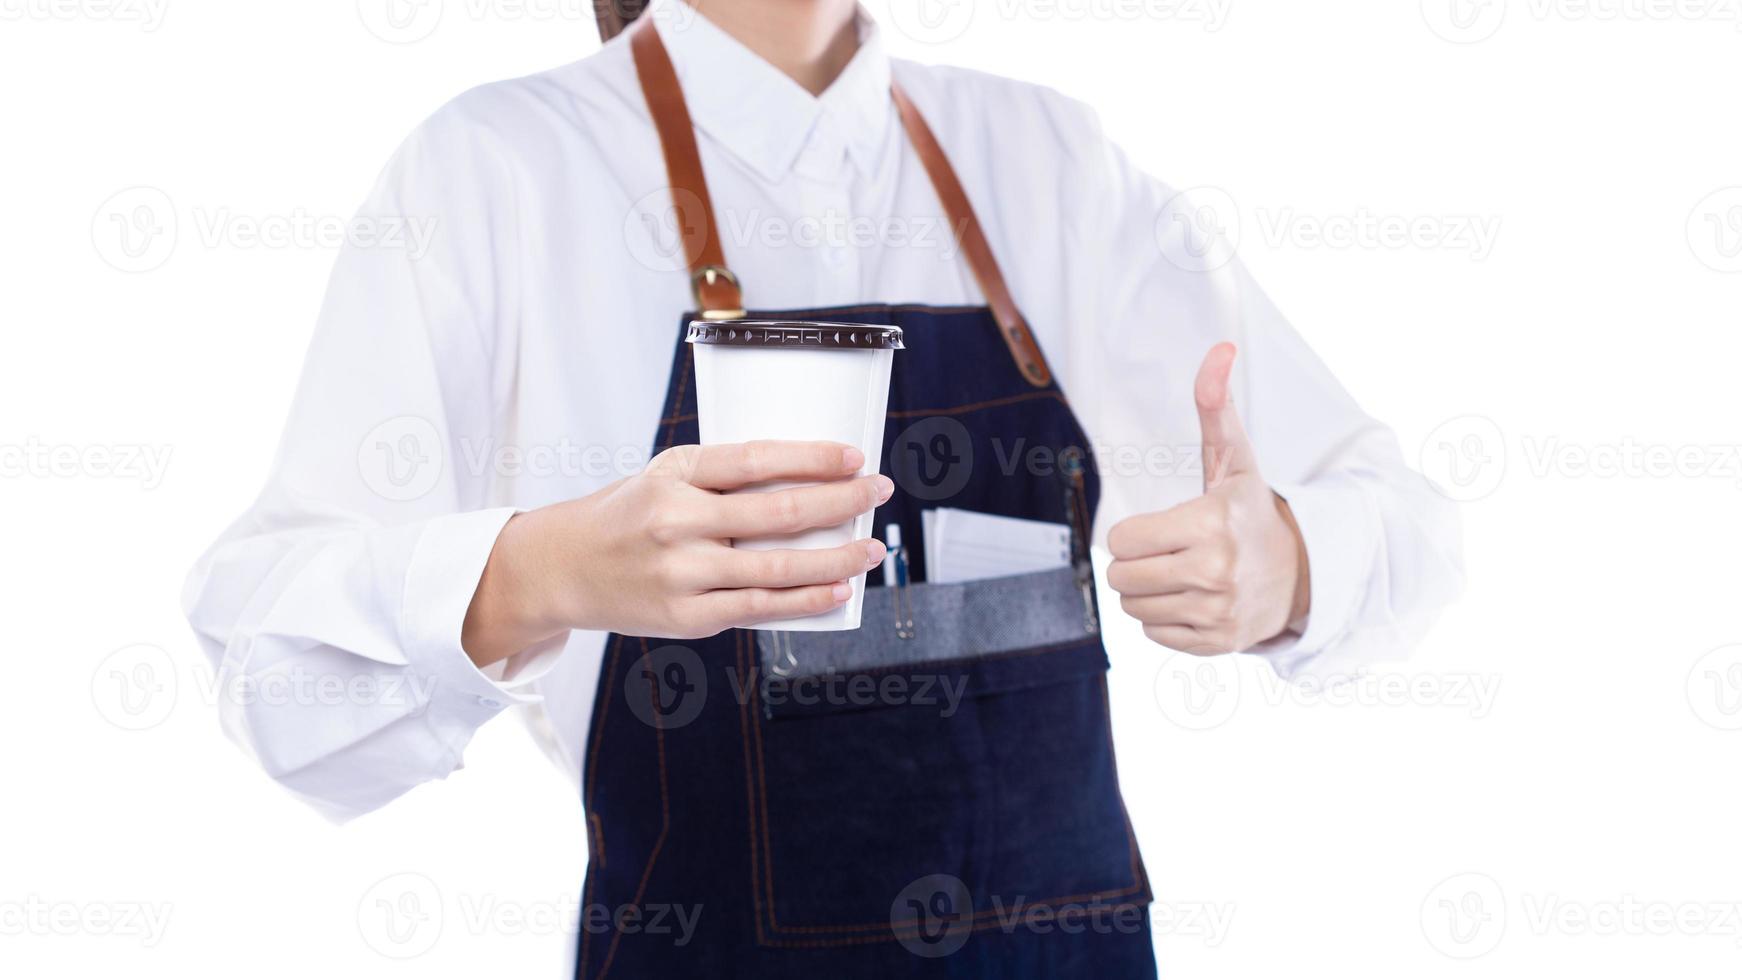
{"points": [[683, 383], [741, 650], [598, 835], [904, 934], [598, 735], [664, 811]]}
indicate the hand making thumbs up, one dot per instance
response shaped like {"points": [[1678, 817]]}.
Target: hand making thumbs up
{"points": [[1227, 570]]}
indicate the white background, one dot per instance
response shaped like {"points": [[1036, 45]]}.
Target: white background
{"points": [[1597, 769]]}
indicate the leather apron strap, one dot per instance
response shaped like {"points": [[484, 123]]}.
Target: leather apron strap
{"points": [[718, 296], [717, 292]]}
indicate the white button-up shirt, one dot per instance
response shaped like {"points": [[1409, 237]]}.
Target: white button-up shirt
{"points": [[507, 341]]}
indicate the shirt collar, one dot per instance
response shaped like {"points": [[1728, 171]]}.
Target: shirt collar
{"points": [[759, 114]]}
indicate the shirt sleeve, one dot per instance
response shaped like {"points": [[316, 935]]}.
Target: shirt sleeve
{"points": [[332, 608], [1161, 288]]}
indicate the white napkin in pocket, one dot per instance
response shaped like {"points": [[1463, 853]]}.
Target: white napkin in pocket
{"points": [[965, 545]]}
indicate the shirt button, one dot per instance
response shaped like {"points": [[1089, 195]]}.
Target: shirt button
{"points": [[490, 703]]}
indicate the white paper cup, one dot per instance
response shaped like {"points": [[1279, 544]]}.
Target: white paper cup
{"points": [[801, 381]]}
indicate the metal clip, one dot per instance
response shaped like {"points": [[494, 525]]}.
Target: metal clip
{"points": [[897, 577], [784, 660], [1076, 506]]}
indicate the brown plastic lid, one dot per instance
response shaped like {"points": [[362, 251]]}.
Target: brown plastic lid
{"points": [[795, 334]]}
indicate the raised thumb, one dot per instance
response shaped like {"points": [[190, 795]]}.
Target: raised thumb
{"points": [[1227, 451]]}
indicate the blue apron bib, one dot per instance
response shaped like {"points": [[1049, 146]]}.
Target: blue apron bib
{"points": [[939, 801]]}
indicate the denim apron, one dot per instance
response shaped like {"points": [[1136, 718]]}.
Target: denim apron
{"points": [[933, 795]]}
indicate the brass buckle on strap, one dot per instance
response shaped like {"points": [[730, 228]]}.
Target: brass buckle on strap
{"points": [[708, 275]]}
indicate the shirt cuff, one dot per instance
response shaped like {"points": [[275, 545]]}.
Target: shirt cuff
{"points": [[1340, 529], [443, 575]]}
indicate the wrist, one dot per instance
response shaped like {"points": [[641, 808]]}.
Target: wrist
{"points": [[515, 606], [1300, 605]]}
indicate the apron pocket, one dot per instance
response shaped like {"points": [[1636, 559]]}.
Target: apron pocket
{"points": [[979, 749]]}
